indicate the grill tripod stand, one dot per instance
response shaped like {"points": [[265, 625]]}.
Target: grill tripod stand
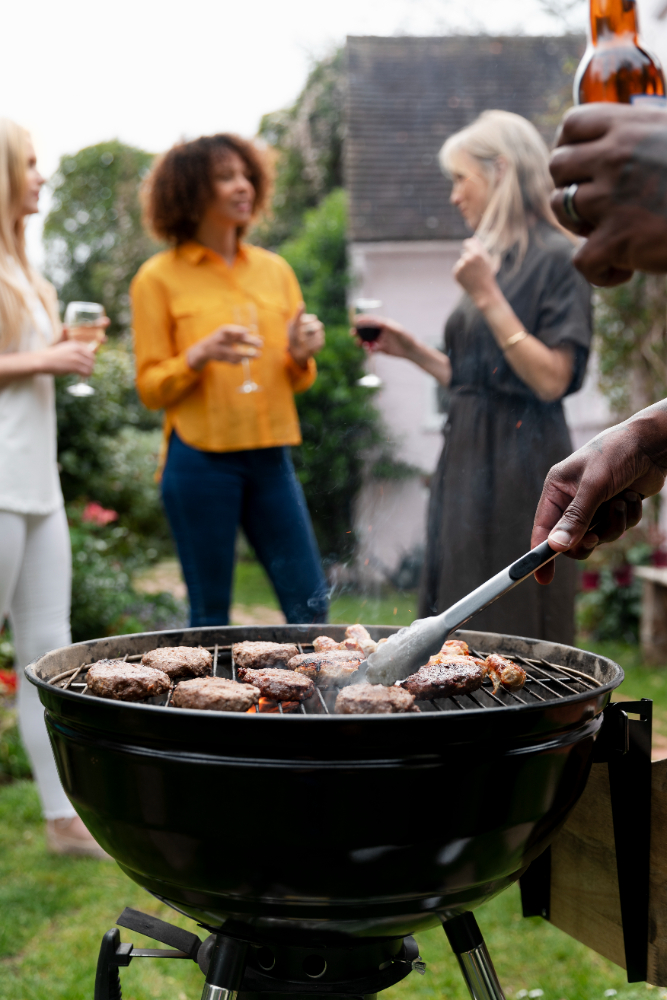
{"points": [[234, 969]]}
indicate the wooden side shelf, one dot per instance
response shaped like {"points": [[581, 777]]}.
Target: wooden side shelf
{"points": [[585, 901]]}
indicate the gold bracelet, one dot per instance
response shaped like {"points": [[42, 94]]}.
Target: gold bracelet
{"points": [[516, 338]]}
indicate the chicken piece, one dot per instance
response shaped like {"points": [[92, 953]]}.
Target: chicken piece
{"points": [[180, 661], [359, 634], [457, 646], [336, 667], [452, 657], [503, 672], [324, 643], [366, 699], [263, 654], [278, 684], [219, 694], [441, 680], [125, 681]]}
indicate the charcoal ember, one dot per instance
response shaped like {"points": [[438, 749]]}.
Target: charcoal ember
{"points": [[219, 694], [442, 680], [263, 654], [278, 684], [180, 661], [367, 699], [125, 681], [333, 668]]}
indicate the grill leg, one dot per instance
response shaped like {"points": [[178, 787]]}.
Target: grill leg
{"points": [[225, 973], [468, 945]]}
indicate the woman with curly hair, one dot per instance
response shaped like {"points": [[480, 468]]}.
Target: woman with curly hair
{"points": [[227, 460], [35, 555]]}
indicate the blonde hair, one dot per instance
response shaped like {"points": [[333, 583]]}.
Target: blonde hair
{"points": [[15, 310], [519, 193]]}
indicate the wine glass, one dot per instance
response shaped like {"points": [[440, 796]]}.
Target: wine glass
{"points": [[82, 320], [245, 314], [369, 334]]}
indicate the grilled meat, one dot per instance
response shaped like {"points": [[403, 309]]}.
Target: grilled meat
{"points": [[323, 643], [278, 684], [441, 680], [356, 639], [503, 672], [180, 661], [365, 699], [457, 646], [334, 667], [125, 681], [358, 634], [216, 693], [263, 654]]}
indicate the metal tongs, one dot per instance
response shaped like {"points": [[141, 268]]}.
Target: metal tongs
{"points": [[411, 647]]}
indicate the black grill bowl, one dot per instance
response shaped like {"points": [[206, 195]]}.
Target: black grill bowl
{"points": [[367, 826]]}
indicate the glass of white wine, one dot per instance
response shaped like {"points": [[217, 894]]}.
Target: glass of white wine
{"points": [[245, 314], [82, 320]]}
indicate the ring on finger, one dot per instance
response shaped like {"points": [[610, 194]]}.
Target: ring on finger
{"points": [[568, 203]]}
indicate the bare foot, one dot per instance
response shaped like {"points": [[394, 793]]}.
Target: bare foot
{"points": [[70, 836]]}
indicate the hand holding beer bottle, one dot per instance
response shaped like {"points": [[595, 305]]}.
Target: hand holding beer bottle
{"points": [[615, 68]]}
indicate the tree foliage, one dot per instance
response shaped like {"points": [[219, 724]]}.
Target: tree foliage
{"points": [[308, 142], [339, 423], [631, 337], [93, 235]]}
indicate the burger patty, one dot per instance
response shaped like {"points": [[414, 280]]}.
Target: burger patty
{"points": [[441, 680], [180, 661], [220, 694], [332, 668], [263, 654], [364, 699], [125, 681], [278, 684]]}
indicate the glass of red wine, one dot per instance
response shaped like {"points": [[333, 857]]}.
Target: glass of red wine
{"points": [[369, 334]]}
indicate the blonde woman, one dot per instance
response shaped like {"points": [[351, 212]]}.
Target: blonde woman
{"points": [[34, 540], [515, 345]]}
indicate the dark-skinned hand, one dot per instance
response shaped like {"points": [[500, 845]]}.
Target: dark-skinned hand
{"points": [[617, 154], [596, 494]]}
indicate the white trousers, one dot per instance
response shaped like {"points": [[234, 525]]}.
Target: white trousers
{"points": [[35, 589]]}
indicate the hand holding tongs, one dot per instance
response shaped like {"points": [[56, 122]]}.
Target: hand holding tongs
{"points": [[411, 647]]}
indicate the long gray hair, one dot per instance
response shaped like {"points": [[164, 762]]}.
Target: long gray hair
{"points": [[519, 193]]}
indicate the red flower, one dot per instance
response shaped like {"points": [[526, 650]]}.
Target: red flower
{"points": [[7, 682], [590, 579], [96, 514]]}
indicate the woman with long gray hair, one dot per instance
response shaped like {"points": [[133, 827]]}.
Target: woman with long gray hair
{"points": [[35, 558], [515, 345]]}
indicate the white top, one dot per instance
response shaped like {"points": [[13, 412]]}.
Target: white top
{"points": [[29, 480]]}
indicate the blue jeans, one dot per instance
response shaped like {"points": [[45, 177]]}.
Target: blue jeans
{"points": [[208, 494]]}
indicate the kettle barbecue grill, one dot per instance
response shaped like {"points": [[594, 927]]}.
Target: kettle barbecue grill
{"points": [[311, 845]]}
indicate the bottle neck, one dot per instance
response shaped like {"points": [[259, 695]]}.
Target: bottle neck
{"points": [[613, 20]]}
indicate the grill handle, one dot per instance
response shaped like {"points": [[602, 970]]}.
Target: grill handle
{"points": [[411, 647]]}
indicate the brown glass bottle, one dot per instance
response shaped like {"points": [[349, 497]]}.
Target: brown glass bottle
{"points": [[614, 66]]}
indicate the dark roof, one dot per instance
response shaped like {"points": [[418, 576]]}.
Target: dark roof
{"points": [[406, 95]]}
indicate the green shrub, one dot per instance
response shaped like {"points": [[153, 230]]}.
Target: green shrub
{"points": [[14, 761], [104, 602], [610, 613]]}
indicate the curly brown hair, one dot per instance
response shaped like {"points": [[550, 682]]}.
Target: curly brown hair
{"points": [[179, 186]]}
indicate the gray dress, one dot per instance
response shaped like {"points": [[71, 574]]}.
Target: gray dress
{"points": [[500, 442]]}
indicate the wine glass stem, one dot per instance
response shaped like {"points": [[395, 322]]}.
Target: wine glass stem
{"points": [[247, 378]]}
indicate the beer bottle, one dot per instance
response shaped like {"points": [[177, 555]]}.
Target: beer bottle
{"points": [[614, 66]]}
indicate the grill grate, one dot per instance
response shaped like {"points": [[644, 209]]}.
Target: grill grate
{"points": [[545, 682]]}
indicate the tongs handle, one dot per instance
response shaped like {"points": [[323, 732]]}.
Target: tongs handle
{"points": [[411, 648]]}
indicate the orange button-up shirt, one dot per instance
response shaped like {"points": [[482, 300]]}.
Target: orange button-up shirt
{"points": [[183, 295]]}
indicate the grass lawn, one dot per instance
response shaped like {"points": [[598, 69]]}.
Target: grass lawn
{"points": [[54, 911]]}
